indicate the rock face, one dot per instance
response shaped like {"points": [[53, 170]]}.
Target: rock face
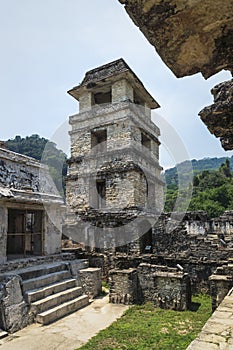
{"points": [[219, 116], [192, 37]]}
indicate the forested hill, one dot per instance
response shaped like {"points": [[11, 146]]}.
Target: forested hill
{"points": [[211, 191], [197, 165]]}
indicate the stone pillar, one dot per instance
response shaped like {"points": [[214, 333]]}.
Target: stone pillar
{"points": [[53, 220], [3, 234], [122, 91], [85, 102]]}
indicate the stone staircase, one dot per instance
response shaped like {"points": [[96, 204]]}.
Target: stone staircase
{"points": [[51, 292]]}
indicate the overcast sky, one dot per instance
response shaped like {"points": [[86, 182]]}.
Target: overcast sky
{"points": [[48, 45]]}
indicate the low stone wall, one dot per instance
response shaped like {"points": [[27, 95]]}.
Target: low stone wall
{"points": [[164, 287]]}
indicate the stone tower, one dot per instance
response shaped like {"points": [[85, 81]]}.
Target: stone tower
{"points": [[113, 190]]}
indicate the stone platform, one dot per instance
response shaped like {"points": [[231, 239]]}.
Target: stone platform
{"points": [[217, 334]]}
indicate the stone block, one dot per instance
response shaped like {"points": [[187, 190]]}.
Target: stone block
{"points": [[13, 309], [91, 281], [123, 286]]}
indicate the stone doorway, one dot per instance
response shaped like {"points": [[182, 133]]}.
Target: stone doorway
{"points": [[25, 233]]}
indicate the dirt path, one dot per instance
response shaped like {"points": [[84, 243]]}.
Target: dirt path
{"points": [[68, 333]]}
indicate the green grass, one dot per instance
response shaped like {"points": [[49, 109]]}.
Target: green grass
{"points": [[147, 328]]}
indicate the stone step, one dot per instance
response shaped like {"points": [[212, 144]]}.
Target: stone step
{"points": [[55, 299], [62, 310], [45, 280], [37, 294], [40, 270], [3, 334]]}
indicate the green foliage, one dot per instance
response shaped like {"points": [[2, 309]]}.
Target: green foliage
{"points": [[145, 327], [212, 191], [198, 166], [45, 151]]}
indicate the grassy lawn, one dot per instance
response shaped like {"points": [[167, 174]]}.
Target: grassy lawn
{"points": [[146, 328]]}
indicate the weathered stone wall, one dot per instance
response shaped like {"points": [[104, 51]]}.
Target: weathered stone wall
{"points": [[19, 172], [121, 151]]}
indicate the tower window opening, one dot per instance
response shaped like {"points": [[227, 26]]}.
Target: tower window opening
{"points": [[102, 97], [146, 141], [98, 140], [138, 100], [101, 192]]}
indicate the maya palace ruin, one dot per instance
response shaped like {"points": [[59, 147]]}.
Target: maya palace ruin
{"points": [[114, 203]]}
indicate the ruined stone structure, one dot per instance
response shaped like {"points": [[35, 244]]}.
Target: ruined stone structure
{"points": [[37, 281], [163, 286], [193, 255], [192, 37], [114, 189], [31, 209]]}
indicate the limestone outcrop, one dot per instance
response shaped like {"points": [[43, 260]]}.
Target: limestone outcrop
{"points": [[191, 37], [219, 116]]}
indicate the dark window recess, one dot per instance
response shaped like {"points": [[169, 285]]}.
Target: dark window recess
{"points": [[146, 141], [102, 97], [138, 100], [146, 242], [101, 192], [98, 140], [25, 232]]}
